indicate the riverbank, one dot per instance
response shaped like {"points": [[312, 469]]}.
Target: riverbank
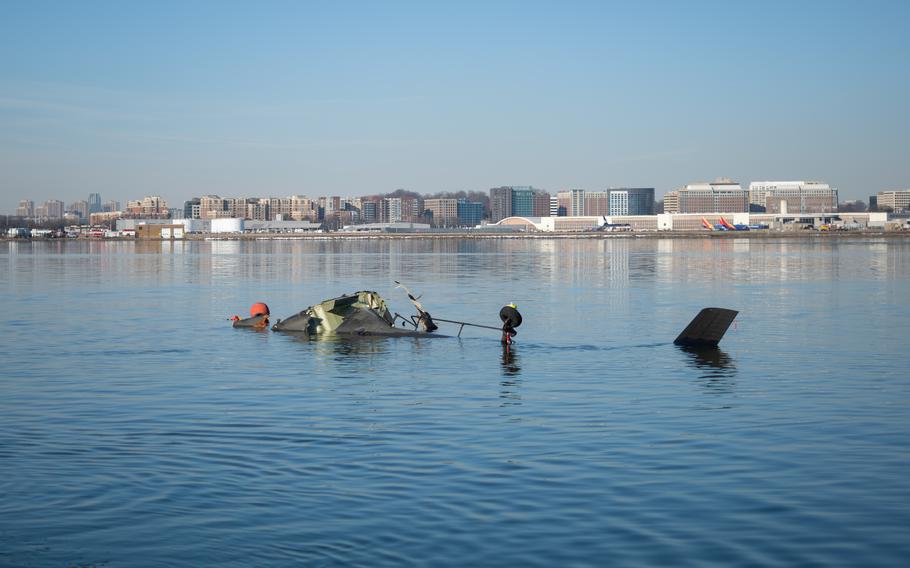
{"points": [[570, 235], [817, 235]]}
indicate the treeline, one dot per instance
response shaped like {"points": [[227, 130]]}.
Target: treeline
{"points": [[14, 222], [858, 206], [476, 196]]}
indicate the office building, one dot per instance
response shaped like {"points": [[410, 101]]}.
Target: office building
{"points": [[540, 203], [332, 205], [370, 210], [149, 207], [212, 207], [523, 201], [576, 202], [300, 208], [792, 197], [671, 202], [191, 208], [445, 211], [103, 217], [279, 208], [257, 210], [94, 203], [571, 203], [351, 203], [79, 209], [563, 203], [470, 213], [390, 210], [412, 209], [723, 195], [500, 203], [630, 201], [51, 209], [896, 200], [26, 208], [596, 203], [580, 203]]}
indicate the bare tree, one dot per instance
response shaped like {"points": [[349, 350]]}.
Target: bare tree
{"points": [[858, 206]]}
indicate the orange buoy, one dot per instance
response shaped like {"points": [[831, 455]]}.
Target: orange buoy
{"points": [[259, 309]]}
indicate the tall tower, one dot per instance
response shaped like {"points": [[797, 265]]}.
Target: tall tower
{"points": [[94, 203], [26, 208], [500, 203]]}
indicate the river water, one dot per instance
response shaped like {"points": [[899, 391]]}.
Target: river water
{"points": [[137, 428]]}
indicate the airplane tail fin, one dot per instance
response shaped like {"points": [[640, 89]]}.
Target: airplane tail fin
{"points": [[707, 328]]}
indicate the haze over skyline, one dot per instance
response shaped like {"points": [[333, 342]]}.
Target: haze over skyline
{"points": [[187, 98]]}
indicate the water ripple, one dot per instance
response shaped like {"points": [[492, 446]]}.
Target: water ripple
{"points": [[163, 437]]}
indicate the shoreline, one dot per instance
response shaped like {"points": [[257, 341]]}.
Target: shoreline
{"points": [[766, 235]]}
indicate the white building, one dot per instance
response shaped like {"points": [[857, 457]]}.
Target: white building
{"points": [[792, 196], [895, 200], [131, 224], [694, 221], [391, 209], [227, 225], [396, 227], [723, 195], [26, 208], [193, 225], [281, 226]]}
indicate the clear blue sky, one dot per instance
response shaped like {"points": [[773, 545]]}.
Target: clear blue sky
{"points": [[349, 98]]}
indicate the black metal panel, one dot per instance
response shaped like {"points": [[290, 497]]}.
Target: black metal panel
{"points": [[707, 328]]}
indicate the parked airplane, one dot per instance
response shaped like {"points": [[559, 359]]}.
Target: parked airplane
{"points": [[731, 227], [713, 227]]}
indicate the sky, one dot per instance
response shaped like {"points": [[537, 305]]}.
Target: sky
{"points": [[268, 98]]}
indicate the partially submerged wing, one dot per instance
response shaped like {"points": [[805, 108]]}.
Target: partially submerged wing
{"points": [[707, 328]]}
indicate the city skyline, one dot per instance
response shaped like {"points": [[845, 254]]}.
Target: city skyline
{"points": [[349, 100], [723, 195]]}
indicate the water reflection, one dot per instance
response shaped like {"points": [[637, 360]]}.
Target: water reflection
{"points": [[510, 393], [326, 440], [717, 368], [341, 347], [149, 247], [254, 330], [510, 386], [510, 362]]}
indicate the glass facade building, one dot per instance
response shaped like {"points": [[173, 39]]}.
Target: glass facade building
{"points": [[631, 201], [522, 202], [94, 203], [518, 201], [470, 213]]}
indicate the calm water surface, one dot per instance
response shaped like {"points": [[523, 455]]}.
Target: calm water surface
{"points": [[137, 428]]}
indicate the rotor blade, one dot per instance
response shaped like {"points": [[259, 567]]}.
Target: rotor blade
{"points": [[410, 296]]}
